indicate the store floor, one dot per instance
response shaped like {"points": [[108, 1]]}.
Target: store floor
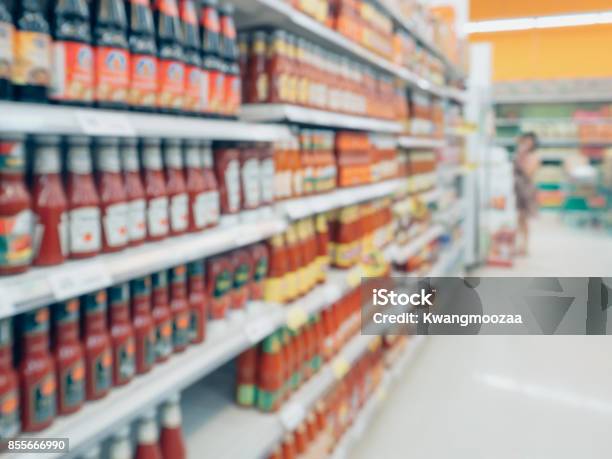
{"points": [[507, 397]]}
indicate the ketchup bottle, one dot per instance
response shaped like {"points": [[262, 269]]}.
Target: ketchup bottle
{"points": [[36, 372], [171, 437], [143, 56], [194, 78], [212, 64], [72, 76], [113, 200], [211, 200], [120, 447], [15, 213], [7, 32], [270, 374], [49, 203], [181, 313], [171, 71], [69, 358], [197, 301], [9, 384], [162, 316], [134, 192], [246, 377], [98, 346], [229, 52], [111, 55], [227, 171], [122, 334], [195, 185], [84, 214], [144, 327], [155, 190], [175, 187], [148, 447]]}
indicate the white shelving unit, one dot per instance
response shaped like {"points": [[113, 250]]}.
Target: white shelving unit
{"points": [[420, 142], [401, 254]]}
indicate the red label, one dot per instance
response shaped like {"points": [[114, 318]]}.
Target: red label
{"points": [[167, 7], [188, 13], [210, 20], [231, 94], [111, 74], [215, 90], [140, 2], [73, 76], [171, 84], [143, 80], [194, 89], [228, 28]]}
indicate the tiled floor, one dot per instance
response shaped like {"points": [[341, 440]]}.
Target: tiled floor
{"points": [[507, 397]]}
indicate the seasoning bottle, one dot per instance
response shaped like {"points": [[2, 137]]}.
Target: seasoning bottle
{"points": [[218, 286], [260, 261], [113, 199], [7, 61], [249, 178], [275, 286], [162, 316], [143, 56], [227, 171], [194, 79], [179, 305], [49, 203], [84, 233], [72, 77], [134, 192], [266, 174], [144, 326], [242, 266], [122, 334], [147, 446], [210, 202], [98, 346], [9, 384], [15, 213], [175, 187], [322, 238], [111, 54], [69, 357], [243, 60], [270, 374], [120, 447], [171, 70], [229, 53], [288, 357], [171, 436], [197, 301], [32, 69], [246, 377], [36, 372], [212, 65], [155, 190], [257, 85], [276, 66], [195, 186]]}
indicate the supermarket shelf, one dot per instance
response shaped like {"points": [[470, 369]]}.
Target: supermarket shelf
{"points": [[55, 119], [42, 286], [448, 260], [303, 207], [562, 143], [297, 114], [428, 197], [569, 96], [401, 254], [451, 216], [418, 142]]}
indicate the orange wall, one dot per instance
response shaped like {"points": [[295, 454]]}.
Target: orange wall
{"points": [[495, 9], [569, 52]]}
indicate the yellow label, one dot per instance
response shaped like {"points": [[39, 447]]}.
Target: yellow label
{"points": [[291, 285], [32, 58], [340, 367], [296, 317], [375, 343], [275, 290], [301, 280], [354, 276]]}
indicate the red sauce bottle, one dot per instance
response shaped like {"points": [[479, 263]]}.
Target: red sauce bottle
{"points": [[144, 326], [83, 203], [98, 346], [113, 200], [197, 301], [267, 173], [246, 377], [69, 358], [15, 213], [275, 287], [242, 268], [249, 178], [158, 224], [227, 171], [211, 199], [9, 384], [122, 334], [194, 78], [259, 258], [213, 65], [270, 374], [171, 437], [36, 372], [49, 203], [218, 286], [162, 316], [175, 187], [134, 192], [195, 186], [181, 313], [148, 447]]}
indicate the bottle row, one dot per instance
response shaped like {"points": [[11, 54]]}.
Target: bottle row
{"points": [[115, 54], [278, 67]]}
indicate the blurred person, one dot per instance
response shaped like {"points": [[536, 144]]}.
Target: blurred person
{"points": [[526, 163]]}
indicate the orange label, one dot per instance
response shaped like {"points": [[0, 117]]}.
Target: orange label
{"points": [[231, 94], [228, 28], [143, 80], [32, 58], [73, 76], [167, 7], [111, 65], [171, 84], [194, 89], [188, 13], [210, 20], [216, 86], [207, 78]]}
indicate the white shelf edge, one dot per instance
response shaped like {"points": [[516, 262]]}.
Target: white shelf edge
{"points": [[401, 254], [551, 98], [420, 142]]}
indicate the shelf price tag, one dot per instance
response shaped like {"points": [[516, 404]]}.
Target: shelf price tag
{"points": [[296, 317], [77, 280], [354, 276], [340, 367], [291, 415], [259, 329], [100, 123]]}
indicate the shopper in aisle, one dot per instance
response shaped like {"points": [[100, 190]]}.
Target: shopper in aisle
{"points": [[526, 163]]}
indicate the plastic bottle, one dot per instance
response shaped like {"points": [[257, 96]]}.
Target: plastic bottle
{"points": [[72, 77], [212, 64], [194, 78], [69, 357], [143, 56], [246, 377], [211, 200], [229, 52], [120, 447], [36, 372], [227, 171], [158, 224], [171, 436], [171, 70], [162, 316], [111, 54], [195, 186], [181, 313], [98, 346], [7, 58], [122, 334], [270, 374], [197, 301], [144, 326], [9, 384], [15, 214], [49, 203], [32, 69], [134, 192], [175, 187], [148, 446]]}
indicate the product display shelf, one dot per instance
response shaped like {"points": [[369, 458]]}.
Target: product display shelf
{"points": [[448, 261], [400, 254], [428, 197], [391, 376], [565, 97], [560, 143], [303, 115], [420, 142], [42, 286], [56, 119], [451, 215], [303, 207]]}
